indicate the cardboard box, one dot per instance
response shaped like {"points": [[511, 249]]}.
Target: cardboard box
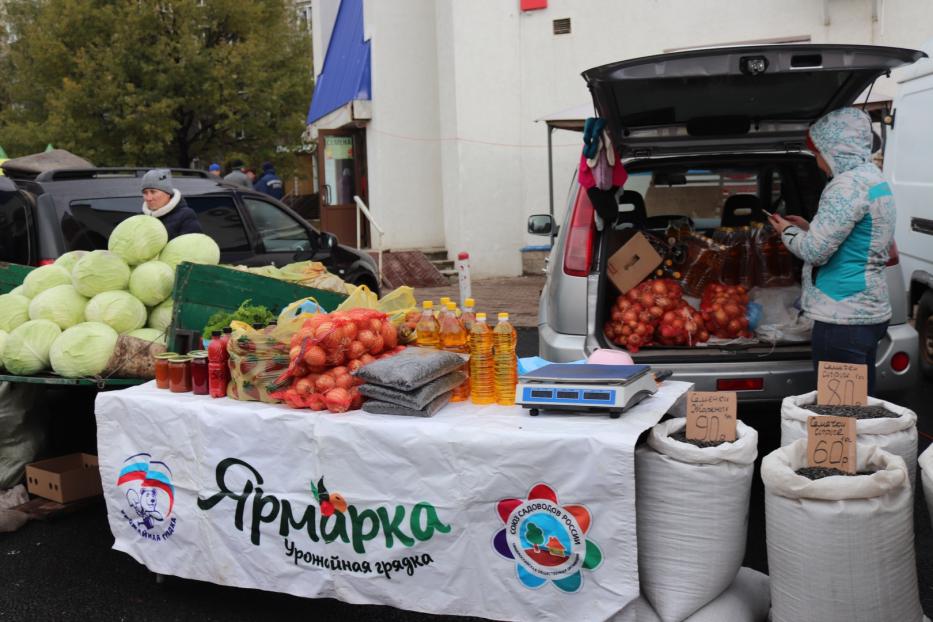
{"points": [[629, 265], [65, 479]]}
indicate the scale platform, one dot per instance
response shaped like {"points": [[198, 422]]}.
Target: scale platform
{"points": [[585, 388]]}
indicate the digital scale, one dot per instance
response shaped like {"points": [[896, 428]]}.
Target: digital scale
{"points": [[585, 388]]}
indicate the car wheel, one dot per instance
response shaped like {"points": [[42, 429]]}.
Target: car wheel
{"points": [[924, 325], [368, 281]]}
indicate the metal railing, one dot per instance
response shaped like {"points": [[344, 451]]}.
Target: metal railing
{"points": [[361, 207]]}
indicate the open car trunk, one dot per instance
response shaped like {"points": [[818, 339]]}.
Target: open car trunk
{"points": [[694, 188]]}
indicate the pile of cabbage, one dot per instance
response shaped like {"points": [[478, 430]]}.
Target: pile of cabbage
{"points": [[67, 316]]}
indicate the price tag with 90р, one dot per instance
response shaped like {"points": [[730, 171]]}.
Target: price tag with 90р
{"points": [[831, 442], [711, 415], [841, 384]]}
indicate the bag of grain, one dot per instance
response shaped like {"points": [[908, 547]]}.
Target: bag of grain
{"points": [[840, 548], [891, 427], [692, 512], [926, 477]]}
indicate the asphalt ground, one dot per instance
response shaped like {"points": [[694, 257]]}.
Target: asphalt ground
{"points": [[64, 568]]}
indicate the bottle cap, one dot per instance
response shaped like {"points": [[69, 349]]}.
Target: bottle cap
{"points": [[481, 317], [469, 302], [463, 256], [451, 306], [427, 304], [216, 333], [445, 300], [503, 316]]}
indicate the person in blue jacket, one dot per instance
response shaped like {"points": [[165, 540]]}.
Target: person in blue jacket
{"points": [[270, 183], [163, 201], [845, 248]]}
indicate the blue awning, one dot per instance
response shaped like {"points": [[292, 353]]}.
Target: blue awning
{"points": [[345, 76]]}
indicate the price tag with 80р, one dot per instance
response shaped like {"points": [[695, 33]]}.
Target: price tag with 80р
{"points": [[841, 384], [711, 415], [831, 443]]}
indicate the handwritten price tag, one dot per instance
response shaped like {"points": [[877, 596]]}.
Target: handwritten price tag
{"points": [[841, 384], [831, 443], [711, 415]]}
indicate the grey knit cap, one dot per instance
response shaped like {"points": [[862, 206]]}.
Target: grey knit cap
{"points": [[159, 179]]}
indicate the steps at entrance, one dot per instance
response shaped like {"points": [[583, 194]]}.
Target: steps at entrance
{"points": [[438, 257], [413, 268]]}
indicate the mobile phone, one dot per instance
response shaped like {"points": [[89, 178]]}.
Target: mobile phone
{"points": [[767, 213]]}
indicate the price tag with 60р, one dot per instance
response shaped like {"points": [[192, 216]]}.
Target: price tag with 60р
{"points": [[841, 384], [711, 415], [831, 442]]}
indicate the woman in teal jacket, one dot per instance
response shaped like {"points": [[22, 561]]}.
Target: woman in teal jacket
{"points": [[845, 248]]}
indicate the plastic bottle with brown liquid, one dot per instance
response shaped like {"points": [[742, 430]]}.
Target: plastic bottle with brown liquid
{"points": [[482, 382], [506, 363], [746, 271], [453, 338], [428, 328]]}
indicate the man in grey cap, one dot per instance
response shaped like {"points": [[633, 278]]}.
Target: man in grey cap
{"points": [[237, 175], [163, 201]]}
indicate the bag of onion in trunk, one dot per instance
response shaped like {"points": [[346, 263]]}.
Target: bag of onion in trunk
{"points": [[654, 311], [926, 477], [840, 548], [692, 511], [896, 432]]}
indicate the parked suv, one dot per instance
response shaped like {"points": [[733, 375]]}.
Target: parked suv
{"points": [[76, 209], [694, 129]]}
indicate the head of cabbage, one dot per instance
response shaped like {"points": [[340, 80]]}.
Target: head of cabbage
{"points": [[19, 290], [100, 271], [119, 310], [62, 304], [138, 239], [193, 247], [27, 347], [148, 334], [160, 317], [69, 259], [152, 282], [43, 278], [3, 336], [83, 350], [14, 310]]}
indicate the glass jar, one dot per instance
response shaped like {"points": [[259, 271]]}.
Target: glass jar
{"points": [[179, 372], [199, 384], [161, 368]]}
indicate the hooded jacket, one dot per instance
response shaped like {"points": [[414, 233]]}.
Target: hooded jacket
{"points": [[270, 184], [177, 217], [850, 234]]}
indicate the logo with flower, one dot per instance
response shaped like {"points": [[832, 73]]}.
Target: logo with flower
{"points": [[546, 540]]}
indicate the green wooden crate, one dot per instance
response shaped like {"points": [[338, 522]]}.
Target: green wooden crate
{"points": [[201, 291], [12, 275]]}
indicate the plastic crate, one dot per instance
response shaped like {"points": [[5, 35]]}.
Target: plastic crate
{"points": [[12, 275], [201, 291]]}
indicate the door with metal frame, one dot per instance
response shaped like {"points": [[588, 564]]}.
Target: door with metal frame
{"points": [[342, 174]]}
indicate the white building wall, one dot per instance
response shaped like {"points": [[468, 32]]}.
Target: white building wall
{"points": [[323, 16]]}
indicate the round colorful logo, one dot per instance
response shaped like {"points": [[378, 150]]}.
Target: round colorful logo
{"points": [[150, 496], [547, 540]]}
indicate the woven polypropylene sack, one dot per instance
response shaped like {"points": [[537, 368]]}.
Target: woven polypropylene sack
{"points": [[926, 477], [897, 435], [692, 512], [840, 548]]}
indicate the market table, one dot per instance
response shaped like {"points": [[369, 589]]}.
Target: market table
{"points": [[479, 510]]}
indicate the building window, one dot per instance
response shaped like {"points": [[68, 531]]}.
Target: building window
{"points": [[562, 26]]}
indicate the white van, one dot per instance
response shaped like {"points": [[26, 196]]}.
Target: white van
{"points": [[908, 166]]}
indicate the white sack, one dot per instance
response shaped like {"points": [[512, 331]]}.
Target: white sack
{"points": [[692, 515], [840, 548], [897, 435], [926, 477]]}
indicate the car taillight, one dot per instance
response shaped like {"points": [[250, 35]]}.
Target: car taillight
{"points": [[578, 249], [900, 362], [46, 262], [740, 384], [894, 257]]}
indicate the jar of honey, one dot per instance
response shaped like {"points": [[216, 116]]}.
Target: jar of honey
{"points": [[161, 368], [199, 375], [179, 374]]}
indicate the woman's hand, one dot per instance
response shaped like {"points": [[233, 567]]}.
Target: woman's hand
{"points": [[779, 223], [797, 221]]}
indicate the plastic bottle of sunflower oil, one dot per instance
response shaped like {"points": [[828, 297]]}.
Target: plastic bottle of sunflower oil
{"points": [[427, 329], [453, 338], [505, 361], [482, 382]]}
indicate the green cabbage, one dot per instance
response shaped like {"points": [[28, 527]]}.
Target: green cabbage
{"points": [[69, 259], [3, 337], [160, 317], [148, 334], [43, 278], [193, 247], [152, 282], [138, 239], [27, 348], [62, 304], [83, 350], [119, 310], [100, 271], [14, 310], [19, 290]]}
